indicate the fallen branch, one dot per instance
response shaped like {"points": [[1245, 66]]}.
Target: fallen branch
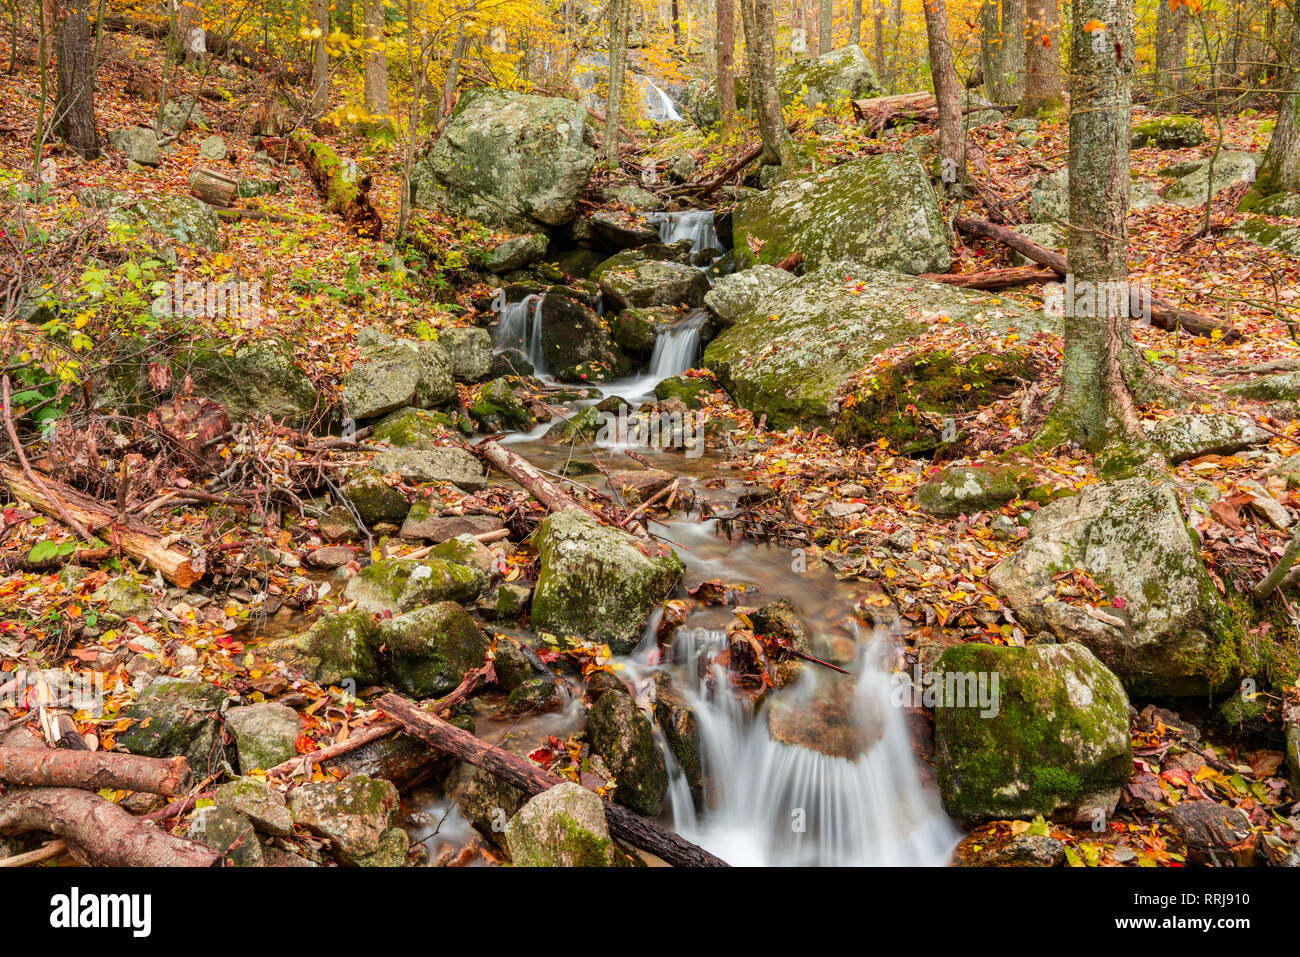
{"points": [[624, 825], [1274, 578], [98, 831], [347, 196], [93, 770], [1164, 314], [994, 278], [56, 504], [136, 539], [43, 853]]}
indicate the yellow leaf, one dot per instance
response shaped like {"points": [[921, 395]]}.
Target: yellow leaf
{"points": [[1092, 26]]}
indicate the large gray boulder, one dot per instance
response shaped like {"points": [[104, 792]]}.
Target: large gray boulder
{"points": [[881, 211], [561, 827], [139, 143], [1230, 168], [399, 585], [597, 582], [251, 381], [470, 350], [430, 648], [740, 292], [1165, 630], [1183, 437], [162, 220], [508, 159], [633, 279], [828, 325]]}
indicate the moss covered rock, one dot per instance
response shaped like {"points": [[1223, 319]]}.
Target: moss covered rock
{"points": [[584, 424], [257, 801], [498, 409], [400, 584], [428, 650], [373, 498], [1183, 437], [632, 279], [251, 381], [265, 734], [635, 330], [597, 582], [624, 737], [574, 336], [740, 292], [228, 832], [1229, 169], [414, 428], [382, 379], [516, 253], [687, 388], [354, 813], [964, 490], [1057, 744], [162, 221], [1165, 630], [561, 827], [880, 211], [1285, 239], [335, 649], [174, 717], [470, 351], [1173, 132]]}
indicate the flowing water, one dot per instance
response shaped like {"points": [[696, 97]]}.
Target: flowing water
{"points": [[519, 326], [694, 224]]}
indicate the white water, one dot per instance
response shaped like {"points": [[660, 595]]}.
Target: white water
{"points": [[666, 110], [519, 326], [695, 225]]}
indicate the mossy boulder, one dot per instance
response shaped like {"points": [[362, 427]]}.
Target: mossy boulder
{"points": [[791, 356], [1164, 630], [585, 424], [1183, 437], [228, 832], [382, 379], [162, 221], [1276, 387], [124, 597], [401, 584], [175, 717], [516, 253], [257, 801], [623, 736], [506, 602], [1053, 740], [740, 292], [533, 696], [139, 143], [1230, 168], [428, 650], [563, 826], [635, 330], [598, 582], [508, 159], [265, 734], [633, 279], [689, 389], [1049, 201], [1285, 239], [470, 351], [880, 211], [574, 336], [373, 498], [498, 409], [251, 381], [414, 428], [1174, 132], [335, 649], [354, 814], [450, 463], [964, 490]]}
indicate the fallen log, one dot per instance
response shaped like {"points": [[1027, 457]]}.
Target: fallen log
{"points": [[347, 195], [136, 539], [44, 853], [624, 825], [212, 187], [98, 831], [93, 770], [994, 278], [1164, 314]]}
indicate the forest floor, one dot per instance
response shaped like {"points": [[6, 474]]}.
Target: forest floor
{"points": [[321, 283]]}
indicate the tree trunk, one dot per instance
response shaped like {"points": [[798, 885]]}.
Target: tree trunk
{"points": [[855, 22], [1042, 57], [947, 93], [344, 193], [376, 64], [618, 28], [449, 82], [1280, 171], [1171, 52], [75, 110], [726, 57], [320, 66], [93, 770], [825, 26], [1002, 49], [1095, 406], [760, 51], [878, 27]]}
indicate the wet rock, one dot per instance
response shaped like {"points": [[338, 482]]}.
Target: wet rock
{"points": [[335, 649], [635, 330], [828, 721], [437, 528], [414, 428], [880, 211], [563, 826], [373, 498], [259, 803], [429, 649], [401, 584], [1183, 437], [498, 409], [597, 582], [741, 292], [488, 803], [227, 831], [1173, 132], [963, 490], [354, 814], [139, 143], [1016, 850], [623, 736], [1212, 833], [688, 389], [516, 253], [635, 279], [1052, 740], [677, 721], [176, 717], [265, 734], [446, 464], [583, 425], [1166, 631], [635, 486], [620, 231], [533, 696], [574, 336], [470, 351], [468, 551], [508, 159], [511, 663]]}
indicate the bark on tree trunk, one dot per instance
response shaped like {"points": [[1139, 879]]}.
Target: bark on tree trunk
{"points": [[1042, 57], [760, 51], [952, 139], [75, 110], [376, 66], [320, 66], [825, 26], [93, 770], [855, 22], [878, 26], [1171, 52], [726, 58], [1280, 171], [618, 29], [1002, 49]]}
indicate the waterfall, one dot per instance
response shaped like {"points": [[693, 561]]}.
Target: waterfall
{"points": [[695, 225], [519, 326], [676, 349], [666, 110]]}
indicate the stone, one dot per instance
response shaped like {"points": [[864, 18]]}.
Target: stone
{"points": [[563, 826], [1285, 239], [212, 148], [1049, 201], [498, 409], [415, 428], [399, 585], [394, 845], [533, 696], [139, 143], [688, 389], [742, 292], [1212, 833], [624, 737], [251, 381], [373, 498], [420, 524], [635, 330], [488, 804], [330, 557], [176, 717], [508, 159], [178, 116], [354, 813], [573, 336], [510, 663], [965, 490], [1174, 132], [506, 601], [337, 524], [470, 351], [1052, 738], [225, 830], [880, 211], [334, 650], [430, 648], [1230, 168], [634, 486], [634, 279], [265, 734], [259, 803], [449, 463], [516, 253], [163, 221], [597, 582], [124, 597], [621, 231], [1183, 437], [1165, 631], [1011, 850], [382, 379]]}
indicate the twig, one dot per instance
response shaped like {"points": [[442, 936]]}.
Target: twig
{"points": [[57, 502]]}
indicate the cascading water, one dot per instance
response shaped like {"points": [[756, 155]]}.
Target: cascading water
{"points": [[695, 225], [665, 111], [676, 349], [519, 326]]}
